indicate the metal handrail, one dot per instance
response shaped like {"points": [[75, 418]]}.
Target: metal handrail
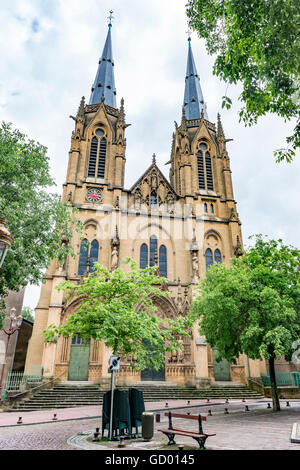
{"points": [[256, 382], [36, 388]]}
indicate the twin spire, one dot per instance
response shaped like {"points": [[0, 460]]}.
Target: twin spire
{"points": [[104, 84], [105, 79], [193, 102]]}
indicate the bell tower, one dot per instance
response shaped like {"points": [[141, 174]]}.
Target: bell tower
{"points": [[97, 154], [200, 166]]}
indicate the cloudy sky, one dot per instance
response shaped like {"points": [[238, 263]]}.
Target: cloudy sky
{"points": [[49, 54]]}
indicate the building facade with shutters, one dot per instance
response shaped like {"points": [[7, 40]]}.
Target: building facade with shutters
{"points": [[182, 225]]}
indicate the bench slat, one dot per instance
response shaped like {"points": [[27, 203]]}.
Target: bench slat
{"points": [[182, 432], [178, 415]]}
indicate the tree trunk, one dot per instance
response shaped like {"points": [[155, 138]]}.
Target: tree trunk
{"points": [[275, 399]]}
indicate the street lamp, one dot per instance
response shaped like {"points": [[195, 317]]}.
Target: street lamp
{"points": [[5, 239], [15, 325]]}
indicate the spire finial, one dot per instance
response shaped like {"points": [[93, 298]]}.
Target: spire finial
{"points": [[189, 33], [80, 112], [110, 18], [220, 132], [154, 158]]}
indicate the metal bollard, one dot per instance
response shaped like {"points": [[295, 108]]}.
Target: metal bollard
{"points": [[247, 408], [167, 405], [209, 413], [96, 435], [54, 417], [20, 420], [157, 418], [269, 405], [121, 444], [226, 412], [288, 403], [227, 401]]}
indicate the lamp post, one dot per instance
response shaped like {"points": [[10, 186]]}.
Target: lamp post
{"points": [[15, 325], [5, 239]]}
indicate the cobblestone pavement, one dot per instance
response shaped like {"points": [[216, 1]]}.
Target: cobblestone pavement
{"points": [[240, 430]]}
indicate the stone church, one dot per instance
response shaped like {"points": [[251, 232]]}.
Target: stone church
{"points": [[182, 225]]}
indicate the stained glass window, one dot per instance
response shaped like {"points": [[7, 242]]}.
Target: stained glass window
{"points": [[143, 256], [163, 260], [153, 248], [83, 257], [208, 258], [94, 254], [218, 257]]}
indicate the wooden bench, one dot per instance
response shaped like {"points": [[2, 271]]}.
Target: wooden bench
{"points": [[171, 432]]}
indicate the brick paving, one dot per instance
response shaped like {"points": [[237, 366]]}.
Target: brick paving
{"points": [[259, 428]]}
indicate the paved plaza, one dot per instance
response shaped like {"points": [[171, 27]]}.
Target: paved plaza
{"points": [[257, 429]]}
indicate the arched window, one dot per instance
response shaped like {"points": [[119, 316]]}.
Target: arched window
{"points": [[208, 258], [205, 208], [218, 257], [143, 256], [200, 170], [94, 255], [93, 157], [84, 251], [153, 199], [97, 155], [163, 260], [153, 249], [102, 158], [209, 177], [212, 208]]}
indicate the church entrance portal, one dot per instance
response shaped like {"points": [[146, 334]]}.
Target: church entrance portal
{"points": [[79, 360], [148, 375], [221, 369]]}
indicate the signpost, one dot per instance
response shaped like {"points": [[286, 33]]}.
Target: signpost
{"points": [[113, 368]]}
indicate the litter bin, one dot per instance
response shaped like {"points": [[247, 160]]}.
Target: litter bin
{"points": [[147, 426]]}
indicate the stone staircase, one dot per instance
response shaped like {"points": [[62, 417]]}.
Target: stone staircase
{"points": [[69, 396]]}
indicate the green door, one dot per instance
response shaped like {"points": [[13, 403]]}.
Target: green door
{"points": [[221, 369], [79, 359]]}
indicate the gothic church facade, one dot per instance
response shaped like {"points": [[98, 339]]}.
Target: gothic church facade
{"points": [[183, 226]]}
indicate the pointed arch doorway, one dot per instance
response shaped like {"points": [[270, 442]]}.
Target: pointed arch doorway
{"points": [[79, 360], [152, 375], [221, 369]]}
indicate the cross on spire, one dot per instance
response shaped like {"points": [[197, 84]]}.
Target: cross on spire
{"points": [[189, 33], [110, 18]]}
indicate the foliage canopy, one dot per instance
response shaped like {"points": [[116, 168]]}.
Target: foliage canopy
{"points": [[257, 43], [118, 307], [36, 218]]}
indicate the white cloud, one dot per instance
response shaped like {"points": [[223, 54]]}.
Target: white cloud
{"points": [[49, 54]]}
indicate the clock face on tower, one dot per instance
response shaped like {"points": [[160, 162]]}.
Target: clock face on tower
{"points": [[93, 195]]}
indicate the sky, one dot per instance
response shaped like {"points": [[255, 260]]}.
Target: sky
{"points": [[49, 53]]}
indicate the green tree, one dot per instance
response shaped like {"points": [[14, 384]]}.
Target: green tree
{"points": [[117, 307], [40, 223], [253, 306], [27, 313], [256, 42]]}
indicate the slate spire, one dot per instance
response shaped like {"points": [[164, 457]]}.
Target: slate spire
{"points": [[193, 98], [105, 80]]}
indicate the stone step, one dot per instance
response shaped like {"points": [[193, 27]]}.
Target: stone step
{"points": [[75, 395]]}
